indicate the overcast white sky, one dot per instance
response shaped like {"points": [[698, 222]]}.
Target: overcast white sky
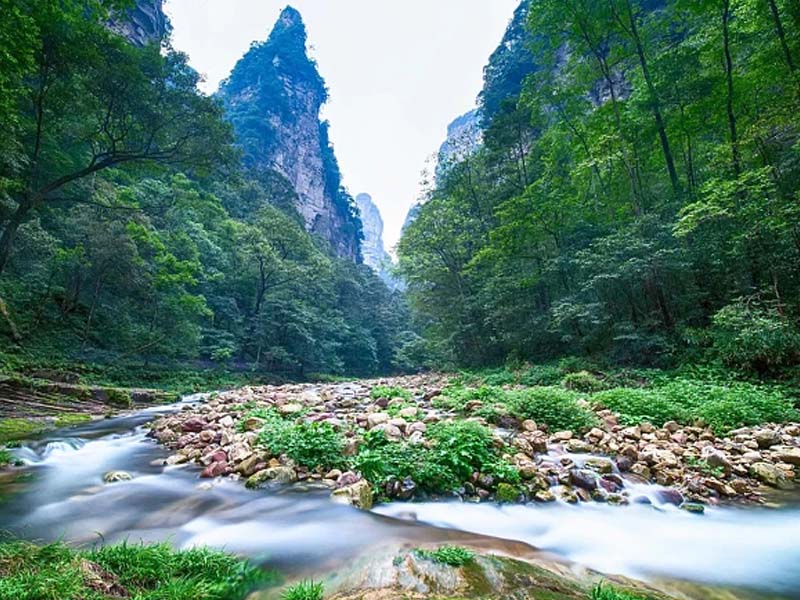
{"points": [[398, 72]]}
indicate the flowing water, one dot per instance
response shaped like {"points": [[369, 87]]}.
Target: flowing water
{"points": [[60, 494]]}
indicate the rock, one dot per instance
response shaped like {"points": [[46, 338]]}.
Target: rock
{"points": [[347, 478], [391, 432], [600, 465], [226, 421], [290, 409], [529, 425], [277, 474], [215, 469], [578, 446], [671, 426], [584, 479], [769, 474], [418, 426], [207, 436], [716, 458], [117, 476], [766, 438], [375, 419], [358, 494], [693, 507], [333, 474], [250, 465], [633, 433], [545, 496], [788, 455], [410, 412], [642, 470], [670, 496], [623, 463], [253, 424], [562, 436], [193, 425]]}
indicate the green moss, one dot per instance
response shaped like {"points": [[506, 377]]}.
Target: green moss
{"points": [[506, 493], [19, 429], [119, 397], [70, 419], [144, 572]]}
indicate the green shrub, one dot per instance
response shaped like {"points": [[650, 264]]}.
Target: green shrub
{"points": [[457, 450], [555, 407], [313, 445], [639, 405], [573, 364], [119, 398], [385, 391], [305, 590], [454, 556], [754, 337], [146, 572], [583, 381], [456, 397], [542, 375], [6, 458]]}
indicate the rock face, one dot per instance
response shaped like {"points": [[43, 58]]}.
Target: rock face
{"points": [[273, 99], [372, 249], [464, 136], [144, 23]]}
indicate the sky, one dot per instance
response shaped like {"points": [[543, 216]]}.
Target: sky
{"points": [[398, 72]]}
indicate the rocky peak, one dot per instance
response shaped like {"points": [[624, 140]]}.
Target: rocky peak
{"points": [[141, 24], [372, 248], [273, 98]]}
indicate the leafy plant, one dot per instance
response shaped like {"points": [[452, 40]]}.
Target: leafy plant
{"points": [[638, 405], [454, 556], [583, 381], [314, 445], [389, 392], [304, 590], [606, 592], [555, 407]]}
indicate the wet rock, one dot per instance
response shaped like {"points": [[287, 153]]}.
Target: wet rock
{"points": [[600, 465], [544, 496], [347, 478], [670, 496], [562, 436], [693, 507], [250, 465], [769, 474], [215, 469], [584, 479], [358, 494], [378, 418], [578, 446], [117, 476], [788, 455], [277, 474], [642, 470], [529, 425]]}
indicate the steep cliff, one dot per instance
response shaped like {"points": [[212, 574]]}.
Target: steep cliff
{"points": [[372, 249], [273, 99], [143, 23]]}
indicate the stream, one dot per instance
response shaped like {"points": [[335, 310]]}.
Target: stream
{"points": [[60, 494]]}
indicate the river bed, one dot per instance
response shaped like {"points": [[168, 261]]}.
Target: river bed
{"points": [[60, 494]]}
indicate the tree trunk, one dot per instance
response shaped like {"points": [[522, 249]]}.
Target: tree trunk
{"points": [[781, 32], [734, 136], [10, 232]]}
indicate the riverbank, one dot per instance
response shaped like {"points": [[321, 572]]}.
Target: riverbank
{"points": [[430, 436]]}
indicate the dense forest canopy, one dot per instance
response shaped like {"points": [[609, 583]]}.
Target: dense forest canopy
{"points": [[128, 230], [637, 197]]}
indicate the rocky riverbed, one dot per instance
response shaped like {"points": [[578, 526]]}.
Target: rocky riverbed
{"points": [[689, 465]]}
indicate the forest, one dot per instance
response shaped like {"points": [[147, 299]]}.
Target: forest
{"points": [[636, 197], [133, 233]]}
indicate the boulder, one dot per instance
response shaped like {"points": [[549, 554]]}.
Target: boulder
{"points": [[280, 474], [788, 455], [358, 494], [117, 476], [375, 419], [769, 474], [766, 438]]}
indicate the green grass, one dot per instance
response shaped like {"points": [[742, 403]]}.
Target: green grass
{"points": [[141, 572], [69, 420], [389, 392], [454, 556], [304, 590], [18, 429], [605, 592]]}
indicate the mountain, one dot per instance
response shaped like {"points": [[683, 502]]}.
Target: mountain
{"points": [[273, 99], [372, 249], [143, 23], [464, 136]]}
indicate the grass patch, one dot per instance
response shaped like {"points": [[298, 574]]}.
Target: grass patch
{"points": [[304, 590], [721, 406], [142, 572], [454, 556], [457, 450], [313, 445], [71, 419], [19, 429], [390, 392], [606, 592]]}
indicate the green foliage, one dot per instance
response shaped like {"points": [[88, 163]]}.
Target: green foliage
{"points": [[607, 592], [6, 458], [457, 450], [389, 392], [625, 192], [755, 338], [453, 556], [704, 467], [506, 493], [313, 445], [721, 406], [155, 572], [68, 420], [18, 429], [583, 381], [552, 406], [304, 590]]}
